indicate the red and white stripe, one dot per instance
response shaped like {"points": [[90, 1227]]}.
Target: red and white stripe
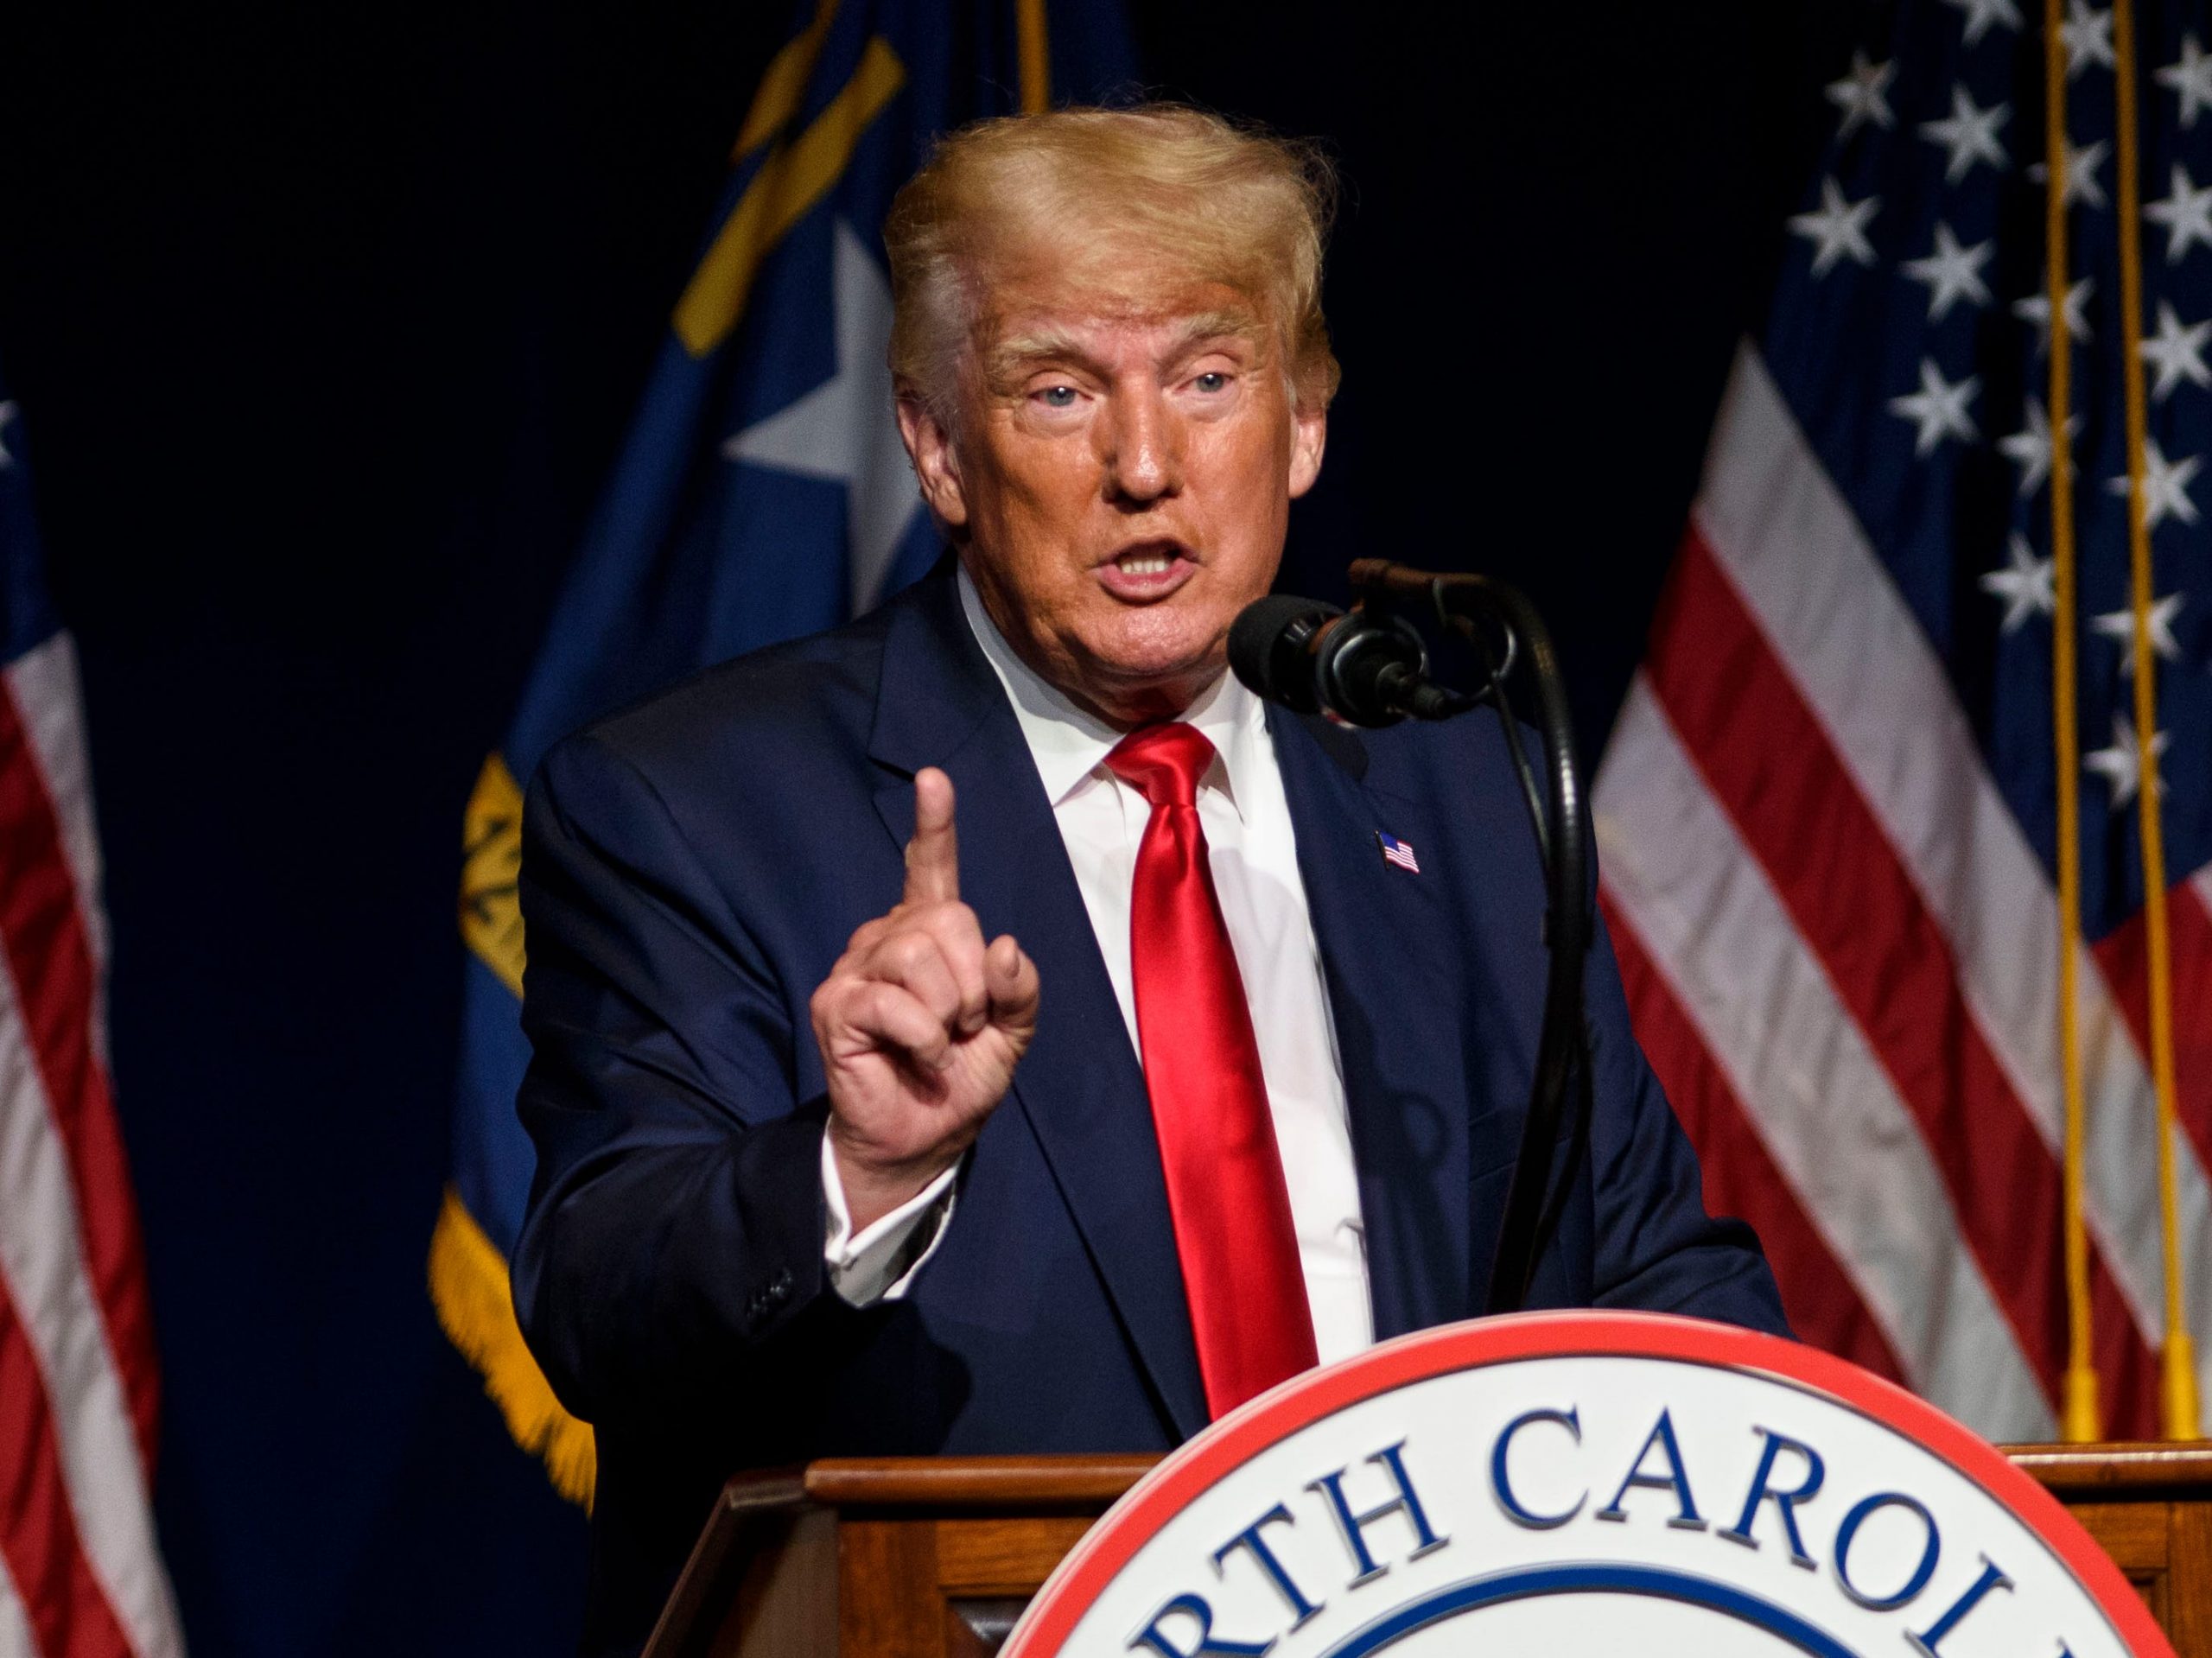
{"points": [[80, 1571], [1841, 951]]}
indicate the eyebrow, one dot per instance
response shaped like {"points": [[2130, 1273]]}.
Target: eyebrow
{"points": [[1009, 356]]}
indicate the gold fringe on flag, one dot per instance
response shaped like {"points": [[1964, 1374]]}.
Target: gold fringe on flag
{"points": [[476, 1308]]}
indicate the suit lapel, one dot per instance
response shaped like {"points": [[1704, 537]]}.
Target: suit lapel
{"points": [[1394, 978], [1079, 1086]]}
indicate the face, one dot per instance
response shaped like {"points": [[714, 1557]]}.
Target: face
{"points": [[1118, 478]]}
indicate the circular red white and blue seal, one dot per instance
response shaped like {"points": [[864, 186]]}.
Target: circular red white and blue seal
{"points": [[1567, 1486]]}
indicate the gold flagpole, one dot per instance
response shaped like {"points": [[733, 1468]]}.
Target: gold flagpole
{"points": [[2080, 1420], [1036, 54], [2178, 1391]]}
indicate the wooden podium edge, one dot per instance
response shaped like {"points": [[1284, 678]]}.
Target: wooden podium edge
{"points": [[756, 1508], [748, 1506], [753, 1505], [1039, 1484], [960, 1483], [2070, 1469]]}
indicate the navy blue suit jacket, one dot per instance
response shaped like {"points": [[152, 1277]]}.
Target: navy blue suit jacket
{"points": [[693, 867]]}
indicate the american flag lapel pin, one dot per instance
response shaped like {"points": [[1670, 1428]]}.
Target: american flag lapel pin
{"points": [[1398, 851]]}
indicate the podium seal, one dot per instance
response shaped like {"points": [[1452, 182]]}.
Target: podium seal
{"points": [[1568, 1485]]}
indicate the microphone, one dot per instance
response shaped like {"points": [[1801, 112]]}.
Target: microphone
{"points": [[1369, 669], [1314, 658]]}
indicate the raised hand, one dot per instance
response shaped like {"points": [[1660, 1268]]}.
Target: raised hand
{"points": [[920, 1025]]}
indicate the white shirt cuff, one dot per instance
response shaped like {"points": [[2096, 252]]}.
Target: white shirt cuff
{"points": [[878, 1262]]}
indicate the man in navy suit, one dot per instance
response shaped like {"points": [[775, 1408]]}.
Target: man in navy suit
{"points": [[1161, 1083]]}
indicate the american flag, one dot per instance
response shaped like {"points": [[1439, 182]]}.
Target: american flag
{"points": [[1828, 816], [1398, 851], [80, 1571]]}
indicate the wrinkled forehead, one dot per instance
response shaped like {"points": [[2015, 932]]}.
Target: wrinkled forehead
{"points": [[1049, 292]]}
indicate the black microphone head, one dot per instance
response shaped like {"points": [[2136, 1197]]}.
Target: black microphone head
{"points": [[1270, 649]]}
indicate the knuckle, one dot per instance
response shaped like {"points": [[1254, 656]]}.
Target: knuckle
{"points": [[908, 953], [952, 918], [832, 996]]}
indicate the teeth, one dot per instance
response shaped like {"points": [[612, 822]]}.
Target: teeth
{"points": [[1144, 563]]}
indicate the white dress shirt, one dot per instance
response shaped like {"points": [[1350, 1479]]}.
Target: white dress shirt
{"points": [[1253, 854]]}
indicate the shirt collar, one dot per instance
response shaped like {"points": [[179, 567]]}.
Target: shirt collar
{"points": [[1069, 744]]}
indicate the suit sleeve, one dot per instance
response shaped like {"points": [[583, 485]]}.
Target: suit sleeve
{"points": [[1656, 1247], [674, 1235]]}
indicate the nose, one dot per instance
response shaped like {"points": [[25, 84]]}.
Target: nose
{"points": [[1142, 446]]}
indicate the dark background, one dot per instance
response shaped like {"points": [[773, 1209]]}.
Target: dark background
{"points": [[325, 323]]}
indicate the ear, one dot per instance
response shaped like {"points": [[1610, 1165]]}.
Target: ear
{"points": [[1309, 435], [937, 463]]}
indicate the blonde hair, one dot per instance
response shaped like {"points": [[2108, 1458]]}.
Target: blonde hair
{"points": [[1080, 186]]}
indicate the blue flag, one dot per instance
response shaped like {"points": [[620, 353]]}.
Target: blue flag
{"points": [[762, 494]]}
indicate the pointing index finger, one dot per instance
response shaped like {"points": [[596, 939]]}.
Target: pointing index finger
{"points": [[933, 855]]}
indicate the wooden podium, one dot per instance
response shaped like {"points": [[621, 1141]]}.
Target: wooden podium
{"points": [[936, 1558], [2150, 1506]]}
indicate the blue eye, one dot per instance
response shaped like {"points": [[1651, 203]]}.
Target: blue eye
{"points": [[1059, 397], [1212, 380]]}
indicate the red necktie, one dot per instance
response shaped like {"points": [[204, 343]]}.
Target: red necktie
{"points": [[1225, 1192]]}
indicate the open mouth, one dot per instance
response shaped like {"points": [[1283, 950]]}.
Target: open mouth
{"points": [[1147, 570], [1144, 563]]}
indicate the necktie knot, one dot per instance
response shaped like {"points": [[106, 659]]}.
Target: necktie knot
{"points": [[1163, 762]]}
